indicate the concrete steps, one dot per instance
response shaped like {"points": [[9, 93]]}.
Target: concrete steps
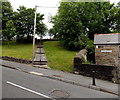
{"points": [[40, 51], [40, 58]]}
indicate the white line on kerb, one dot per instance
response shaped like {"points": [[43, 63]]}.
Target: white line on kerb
{"points": [[28, 89], [40, 74]]}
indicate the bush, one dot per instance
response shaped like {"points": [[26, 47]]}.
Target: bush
{"points": [[24, 40]]}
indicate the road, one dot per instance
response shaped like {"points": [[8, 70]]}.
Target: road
{"points": [[17, 84]]}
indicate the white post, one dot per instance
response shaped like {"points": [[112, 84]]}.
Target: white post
{"points": [[33, 50]]}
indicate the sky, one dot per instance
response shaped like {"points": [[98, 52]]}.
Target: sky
{"points": [[46, 7]]}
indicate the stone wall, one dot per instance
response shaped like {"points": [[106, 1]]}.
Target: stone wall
{"points": [[24, 61], [107, 55], [104, 72]]}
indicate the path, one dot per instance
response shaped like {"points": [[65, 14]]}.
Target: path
{"points": [[40, 58]]}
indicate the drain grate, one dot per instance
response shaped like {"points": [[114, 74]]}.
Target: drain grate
{"points": [[60, 93]]}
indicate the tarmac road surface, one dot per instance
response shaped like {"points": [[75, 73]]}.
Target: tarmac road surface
{"points": [[17, 84]]}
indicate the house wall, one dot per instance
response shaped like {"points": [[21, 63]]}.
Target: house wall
{"points": [[107, 55]]}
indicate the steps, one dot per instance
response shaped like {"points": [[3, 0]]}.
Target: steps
{"points": [[40, 51], [40, 58]]}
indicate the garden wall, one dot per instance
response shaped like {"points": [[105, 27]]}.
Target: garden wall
{"points": [[16, 59], [104, 72]]}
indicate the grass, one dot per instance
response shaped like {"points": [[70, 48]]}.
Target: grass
{"points": [[23, 51], [58, 57]]}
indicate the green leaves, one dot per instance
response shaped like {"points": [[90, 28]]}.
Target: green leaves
{"points": [[24, 22], [10, 30], [117, 15], [7, 13], [20, 22], [77, 22]]}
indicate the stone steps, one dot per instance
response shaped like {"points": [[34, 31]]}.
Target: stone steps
{"points": [[40, 58], [40, 51]]}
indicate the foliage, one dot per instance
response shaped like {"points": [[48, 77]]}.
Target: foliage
{"points": [[7, 13], [77, 22], [52, 33], [118, 18], [54, 30], [24, 22], [10, 30]]}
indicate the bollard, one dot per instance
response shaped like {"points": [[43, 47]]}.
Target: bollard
{"points": [[93, 77]]}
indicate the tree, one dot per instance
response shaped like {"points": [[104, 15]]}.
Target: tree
{"points": [[24, 22], [118, 17], [77, 22], [52, 33], [7, 13], [10, 30], [0, 20]]}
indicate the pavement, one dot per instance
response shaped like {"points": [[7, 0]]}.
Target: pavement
{"points": [[66, 77]]}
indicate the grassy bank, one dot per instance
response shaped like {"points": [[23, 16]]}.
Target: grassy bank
{"points": [[58, 57], [17, 50]]}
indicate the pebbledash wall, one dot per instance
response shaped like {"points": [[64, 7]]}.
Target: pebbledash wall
{"points": [[107, 56]]}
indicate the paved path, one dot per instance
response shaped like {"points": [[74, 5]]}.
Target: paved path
{"points": [[67, 77]]}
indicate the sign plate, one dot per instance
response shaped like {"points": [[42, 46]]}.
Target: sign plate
{"points": [[106, 50]]}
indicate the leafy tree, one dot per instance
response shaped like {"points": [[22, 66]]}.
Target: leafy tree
{"points": [[52, 33], [0, 20], [24, 22], [118, 17], [7, 13], [54, 30], [10, 30], [77, 22]]}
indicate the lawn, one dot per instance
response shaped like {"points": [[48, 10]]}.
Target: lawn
{"points": [[17, 50], [58, 57]]}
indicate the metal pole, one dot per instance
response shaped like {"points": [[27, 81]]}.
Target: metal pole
{"points": [[33, 50], [93, 78]]}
